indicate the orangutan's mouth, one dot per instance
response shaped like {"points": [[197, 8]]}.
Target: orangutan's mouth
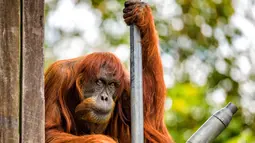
{"points": [[102, 112]]}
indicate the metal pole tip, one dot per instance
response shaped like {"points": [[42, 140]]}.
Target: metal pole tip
{"points": [[232, 107]]}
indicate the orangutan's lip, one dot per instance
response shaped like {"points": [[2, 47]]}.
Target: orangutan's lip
{"points": [[101, 112]]}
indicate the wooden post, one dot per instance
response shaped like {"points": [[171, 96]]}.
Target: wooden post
{"points": [[21, 71], [136, 85], [9, 71], [32, 83]]}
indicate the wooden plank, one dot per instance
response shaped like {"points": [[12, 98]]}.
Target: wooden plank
{"points": [[9, 71], [32, 72]]}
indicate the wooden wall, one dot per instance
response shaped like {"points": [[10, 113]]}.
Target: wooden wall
{"points": [[21, 71]]}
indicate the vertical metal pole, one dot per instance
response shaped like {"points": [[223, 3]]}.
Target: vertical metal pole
{"points": [[137, 134]]}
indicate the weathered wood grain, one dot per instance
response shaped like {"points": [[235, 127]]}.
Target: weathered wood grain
{"points": [[32, 72], [9, 71]]}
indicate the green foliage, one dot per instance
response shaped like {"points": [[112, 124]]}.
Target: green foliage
{"points": [[189, 104], [190, 110]]}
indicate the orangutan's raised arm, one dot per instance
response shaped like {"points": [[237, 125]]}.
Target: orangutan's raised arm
{"points": [[154, 90]]}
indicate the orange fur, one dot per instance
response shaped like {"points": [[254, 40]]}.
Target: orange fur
{"points": [[63, 75]]}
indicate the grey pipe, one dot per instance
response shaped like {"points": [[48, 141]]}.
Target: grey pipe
{"points": [[214, 125], [137, 134]]}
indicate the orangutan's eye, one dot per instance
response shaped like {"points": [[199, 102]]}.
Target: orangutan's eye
{"points": [[112, 85]]}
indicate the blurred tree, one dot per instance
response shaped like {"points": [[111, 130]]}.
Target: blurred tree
{"points": [[207, 51]]}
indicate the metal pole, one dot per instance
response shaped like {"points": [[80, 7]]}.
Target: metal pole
{"points": [[214, 125], [137, 134]]}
